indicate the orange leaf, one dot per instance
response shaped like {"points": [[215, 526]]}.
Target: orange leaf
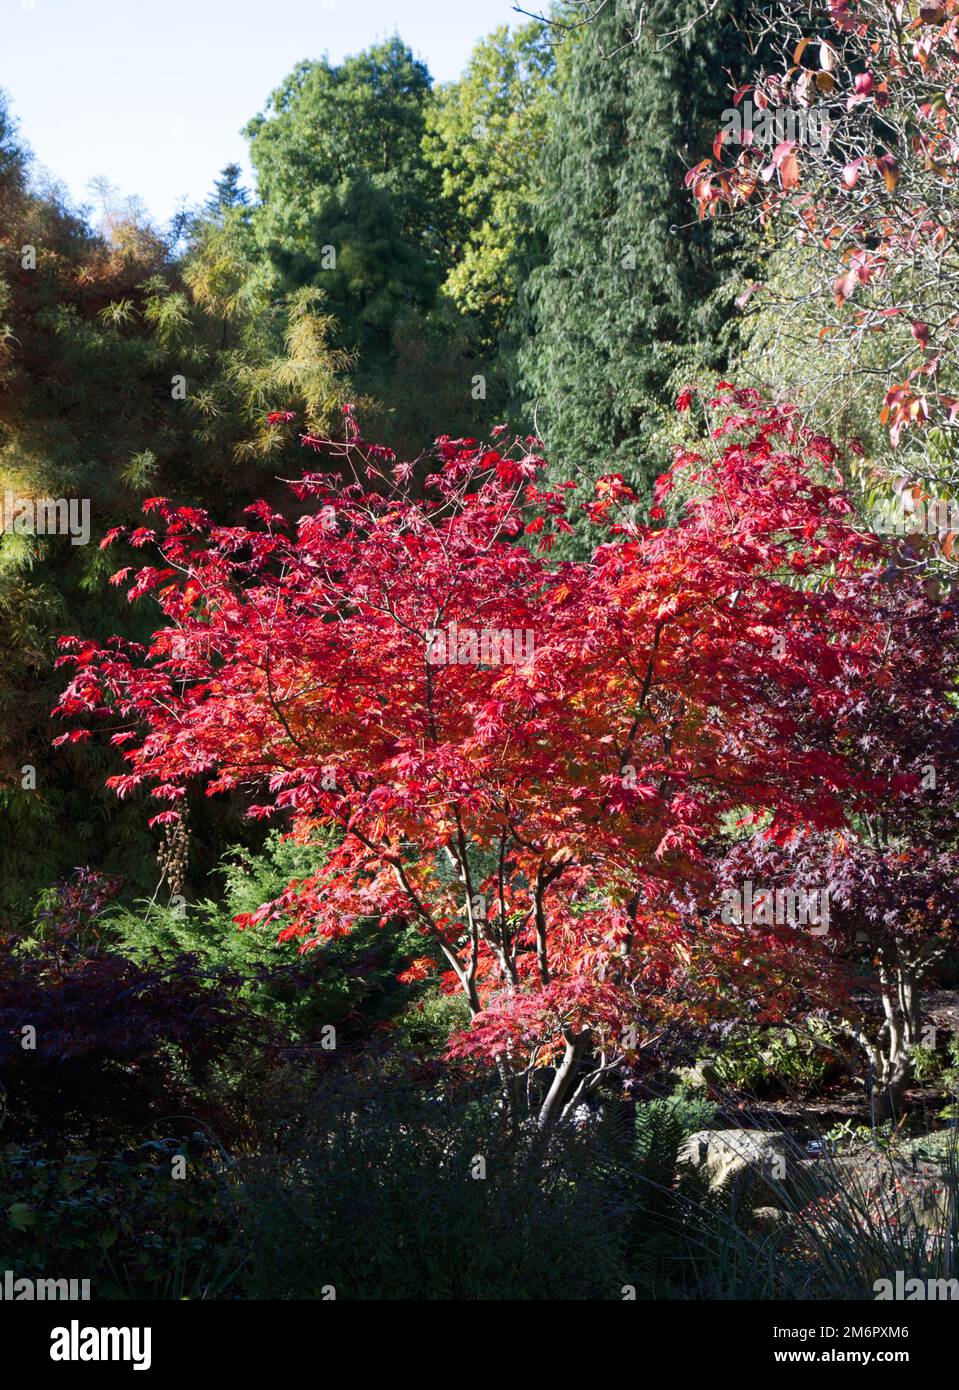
{"points": [[789, 172]]}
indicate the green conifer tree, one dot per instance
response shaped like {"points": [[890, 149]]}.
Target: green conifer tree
{"points": [[631, 292]]}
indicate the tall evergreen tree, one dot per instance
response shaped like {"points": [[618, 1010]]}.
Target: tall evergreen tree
{"points": [[329, 125], [228, 191], [349, 205], [627, 297], [347, 202]]}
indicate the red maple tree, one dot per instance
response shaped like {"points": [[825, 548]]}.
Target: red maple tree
{"points": [[529, 759]]}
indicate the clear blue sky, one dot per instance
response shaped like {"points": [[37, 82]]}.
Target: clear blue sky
{"points": [[152, 93]]}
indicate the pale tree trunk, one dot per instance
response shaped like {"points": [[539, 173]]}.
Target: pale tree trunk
{"points": [[902, 969], [899, 981], [562, 1090], [564, 1081]]}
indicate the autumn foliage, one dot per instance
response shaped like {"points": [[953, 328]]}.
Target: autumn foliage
{"points": [[551, 823], [873, 197]]}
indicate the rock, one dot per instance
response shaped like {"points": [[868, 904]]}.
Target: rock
{"points": [[893, 1191], [764, 1175], [749, 1166], [767, 1219]]}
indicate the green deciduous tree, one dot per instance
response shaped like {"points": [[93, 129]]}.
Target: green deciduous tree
{"points": [[484, 136], [338, 156], [122, 371]]}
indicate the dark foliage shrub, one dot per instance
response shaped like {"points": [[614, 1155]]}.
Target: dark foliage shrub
{"points": [[397, 1195], [93, 1043], [123, 1222]]}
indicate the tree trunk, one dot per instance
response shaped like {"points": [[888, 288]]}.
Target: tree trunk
{"points": [[892, 1062], [559, 1092]]}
